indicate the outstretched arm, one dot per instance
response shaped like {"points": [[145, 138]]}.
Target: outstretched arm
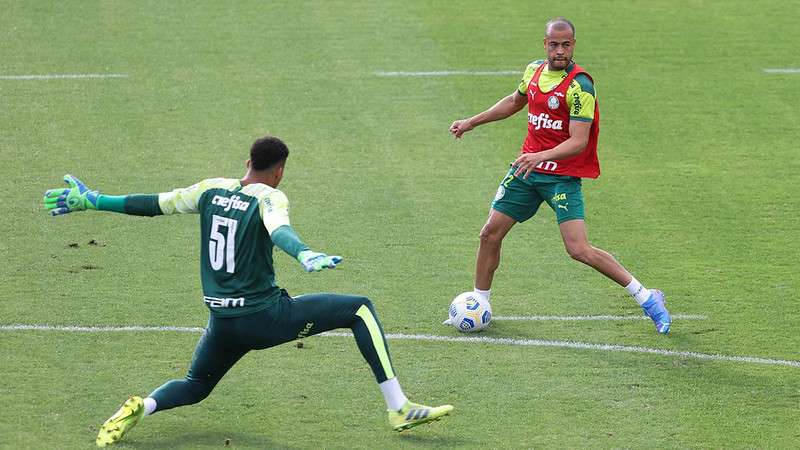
{"points": [[506, 107], [78, 197]]}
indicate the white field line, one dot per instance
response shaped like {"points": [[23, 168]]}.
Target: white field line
{"points": [[447, 73], [587, 318], [587, 346], [464, 339], [23, 327], [63, 76], [783, 70]]}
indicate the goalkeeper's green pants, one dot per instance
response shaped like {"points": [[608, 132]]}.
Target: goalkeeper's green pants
{"points": [[226, 340]]}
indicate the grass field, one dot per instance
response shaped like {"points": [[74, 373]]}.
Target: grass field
{"points": [[698, 198]]}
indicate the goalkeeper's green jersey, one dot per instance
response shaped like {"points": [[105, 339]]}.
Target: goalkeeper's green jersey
{"points": [[236, 221]]}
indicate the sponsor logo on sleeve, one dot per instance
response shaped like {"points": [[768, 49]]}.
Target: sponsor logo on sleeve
{"points": [[268, 204], [576, 104]]}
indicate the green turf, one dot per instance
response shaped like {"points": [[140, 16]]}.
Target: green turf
{"points": [[699, 157]]}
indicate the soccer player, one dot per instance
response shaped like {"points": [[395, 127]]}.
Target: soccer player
{"points": [[559, 150], [240, 222]]}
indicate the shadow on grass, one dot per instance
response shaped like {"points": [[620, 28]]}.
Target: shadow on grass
{"points": [[208, 439], [217, 440], [423, 441]]}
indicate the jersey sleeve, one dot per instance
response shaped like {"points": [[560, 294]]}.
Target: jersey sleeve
{"points": [[522, 88], [274, 210], [581, 99], [182, 200], [186, 200]]}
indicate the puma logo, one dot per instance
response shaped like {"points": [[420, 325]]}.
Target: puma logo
{"points": [[304, 332]]}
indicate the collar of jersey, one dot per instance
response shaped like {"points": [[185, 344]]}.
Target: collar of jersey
{"points": [[565, 71]]}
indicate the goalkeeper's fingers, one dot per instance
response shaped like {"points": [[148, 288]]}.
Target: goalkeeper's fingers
{"points": [[57, 205], [60, 211], [334, 261], [55, 202], [56, 198], [52, 193], [322, 261], [74, 182]]}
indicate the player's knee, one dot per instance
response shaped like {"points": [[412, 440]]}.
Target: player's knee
{"points": [[582, 253], [363, 301], [490, 235]]}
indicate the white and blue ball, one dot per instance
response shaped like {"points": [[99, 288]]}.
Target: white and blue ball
{"points": [[469, 312]]}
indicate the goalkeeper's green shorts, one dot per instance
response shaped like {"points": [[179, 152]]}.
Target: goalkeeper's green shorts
{"points": [[520, 198], [228, 339]]}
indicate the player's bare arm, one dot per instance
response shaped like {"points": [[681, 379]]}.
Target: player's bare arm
{"points": [[506, 107], [578, 138]]}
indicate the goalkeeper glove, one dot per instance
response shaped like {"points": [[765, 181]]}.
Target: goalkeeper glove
{"points": [[77, 198], [314, 262]]}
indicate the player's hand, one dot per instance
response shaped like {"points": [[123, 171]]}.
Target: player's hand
{"points": [[525, 164], [459, 127], [77, 197], [314, 262]]}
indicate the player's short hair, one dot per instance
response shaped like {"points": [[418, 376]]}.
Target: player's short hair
{"points": [[559, 23], [267, 152]]}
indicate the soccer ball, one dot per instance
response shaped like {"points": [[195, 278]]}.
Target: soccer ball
{"points": [[469, 312]]}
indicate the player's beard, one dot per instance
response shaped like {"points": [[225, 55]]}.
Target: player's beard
{"points": [[558, 65]]}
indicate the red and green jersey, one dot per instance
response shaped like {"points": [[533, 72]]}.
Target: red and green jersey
{"points": [[236, 221], [554, 99]]}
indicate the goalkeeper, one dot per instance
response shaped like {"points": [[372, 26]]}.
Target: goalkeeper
{"points": [[240, 222]]}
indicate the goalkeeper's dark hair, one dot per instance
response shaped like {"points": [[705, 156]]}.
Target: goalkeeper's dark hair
{"points": [[267, 152]]}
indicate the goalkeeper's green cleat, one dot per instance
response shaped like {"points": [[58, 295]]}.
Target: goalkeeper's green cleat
{"points": [[412, 414], [121, 422]]}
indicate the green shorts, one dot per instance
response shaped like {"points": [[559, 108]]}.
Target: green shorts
{"points": [[227, 339], [520, 199]]}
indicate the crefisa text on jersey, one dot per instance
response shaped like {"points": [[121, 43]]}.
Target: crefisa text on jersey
{"points": [[543, 120], [234, 202]]}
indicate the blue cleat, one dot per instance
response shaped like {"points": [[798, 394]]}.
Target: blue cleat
{"points": [[654, 308]]}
